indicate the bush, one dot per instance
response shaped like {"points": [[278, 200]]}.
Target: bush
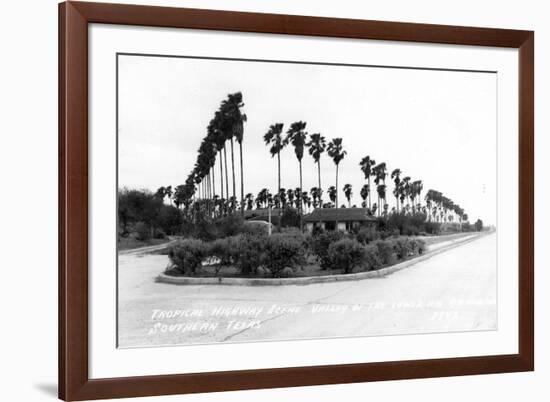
{"points": [[223, 250], [320, 244], [159, 234], [187, 256], [401, 247], [387, 233], [346, 254], [248, 253], [386, 253], [230, 225], [432, 228], [282, 251], [417, 246], [372, 259], [367, 234], [142, 231], [290, 218]]}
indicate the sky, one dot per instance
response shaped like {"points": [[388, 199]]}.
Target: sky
{"points": [[436, 126]]}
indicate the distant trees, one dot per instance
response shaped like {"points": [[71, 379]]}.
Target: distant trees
{"points": [[337, 153], [148, 209], [479, 225], [296, 136], [200, 197], [366, 165], [317, 145], [348, 192]]}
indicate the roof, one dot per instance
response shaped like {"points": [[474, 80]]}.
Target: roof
{"points": [[340, 214]]}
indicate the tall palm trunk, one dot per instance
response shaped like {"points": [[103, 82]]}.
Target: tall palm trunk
{"points": [[233, 170], [336, 198], [242, 178], [213, 191], [319, 177], [397, 203], [226, 178], [370, 206], [279, 187], [221, 178], [301, 197]]}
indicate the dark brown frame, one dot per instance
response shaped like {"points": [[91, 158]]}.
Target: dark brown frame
{"points": [[74, 383]]}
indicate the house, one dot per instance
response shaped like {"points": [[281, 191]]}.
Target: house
{"points": [[347, 218]]}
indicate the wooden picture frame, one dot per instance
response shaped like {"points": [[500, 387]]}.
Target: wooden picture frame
{"points": [[74, 381]]}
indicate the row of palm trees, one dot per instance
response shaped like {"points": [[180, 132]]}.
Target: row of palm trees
{"points": [[407, 192], [316, 145], [225, 128]]}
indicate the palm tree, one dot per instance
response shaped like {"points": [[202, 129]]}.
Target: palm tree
{"points": [[317, 145], [381, 190], [379, 173], [298, 198], [273, 137], [365, 191], [406, 188], [337, 153], [416, 190], [306, 200], [297, 137], [332, 194], [217, 137], [237, 119], [290, 196], [366, 167], [249, 201], [313, 193], [227, 128], [395, 175], [348, 193]]}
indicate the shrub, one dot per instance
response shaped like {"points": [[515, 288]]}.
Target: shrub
{"points": [[290, 217], [367, 234], [230, 225], [187, 256], [287, 272], [248, 253], [386, 254], [346, 254], [223, 250], [142, 231], [432, 228], [159, 234], [372, 259], [417, 246], [205, 229], [282, 251], [320, 244], [401, 247]]}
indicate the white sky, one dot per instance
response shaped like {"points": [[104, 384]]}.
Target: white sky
{"points": [[436, 126]]}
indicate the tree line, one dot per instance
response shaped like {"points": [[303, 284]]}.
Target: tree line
{"points": [[210, 191]]}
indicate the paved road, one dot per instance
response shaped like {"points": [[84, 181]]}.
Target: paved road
{"points": [[452, 291]]}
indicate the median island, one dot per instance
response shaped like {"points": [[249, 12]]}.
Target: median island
{"points": [[253, 250]]}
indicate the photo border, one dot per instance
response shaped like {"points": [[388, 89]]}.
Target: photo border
{"points": [[74, 381]]}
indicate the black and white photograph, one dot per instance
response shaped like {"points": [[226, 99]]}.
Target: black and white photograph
{"points": [[274, 200]]}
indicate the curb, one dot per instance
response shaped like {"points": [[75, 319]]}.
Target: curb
{"points": [[186, 280]]}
